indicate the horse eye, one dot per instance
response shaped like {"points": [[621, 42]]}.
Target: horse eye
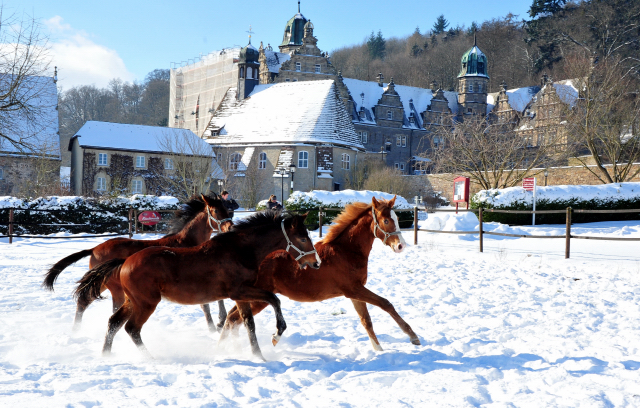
{"points": [[303, 240], [386, 221]]}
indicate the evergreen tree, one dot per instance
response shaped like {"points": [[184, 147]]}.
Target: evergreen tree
{"points": [[440, 25], [546, 7], [472, 29], [376, 44], [415, 50]]}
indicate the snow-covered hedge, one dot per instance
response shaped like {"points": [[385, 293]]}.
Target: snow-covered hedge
{"points": [[112, 214], [616, 196], [312, 200]]}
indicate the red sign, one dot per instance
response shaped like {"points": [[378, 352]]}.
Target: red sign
{"points": [[149, 218], [528, 183], [461, 190]]}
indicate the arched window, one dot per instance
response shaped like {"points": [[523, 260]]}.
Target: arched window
{"points": [[234, 161], [241, 72], [346, 161], [249, 72], [303, 160], [262, 161]]}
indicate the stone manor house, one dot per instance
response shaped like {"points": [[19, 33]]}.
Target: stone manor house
{"points": [[395, 122]]}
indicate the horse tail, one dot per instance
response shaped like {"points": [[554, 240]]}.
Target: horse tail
{"points": [[51, 276], [90, 286]]}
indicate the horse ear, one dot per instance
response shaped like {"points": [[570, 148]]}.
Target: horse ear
{"points": [[304, 216], [392, 202], [203, 197], [374, 202]]}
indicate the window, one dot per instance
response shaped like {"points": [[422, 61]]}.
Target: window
{"points": [[139, 161], [364, 137], [287, 80], [469, 110], [401, 166], [303, 160], [249, 72], [318, 69], [1, 173], [389, 115], [396, 166], [102, 184], [298, 66], [479, 87], [436, 141], [470, 87], [295, 79], [102, 159], [136, 186], [241, 72], [234, 161], [346, 161], [168, 164], [262, 161], [404, 141]]}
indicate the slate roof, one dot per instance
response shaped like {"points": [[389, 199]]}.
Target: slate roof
{"points": [[284, 113], [275, 60], [40, 130], [120, 136]]}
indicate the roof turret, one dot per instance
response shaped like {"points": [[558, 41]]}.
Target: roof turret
{"points": [[474, 63], [294, 30]]}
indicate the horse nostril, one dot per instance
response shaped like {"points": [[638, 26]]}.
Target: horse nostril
{"points": [[400, 246], [316, 265]]}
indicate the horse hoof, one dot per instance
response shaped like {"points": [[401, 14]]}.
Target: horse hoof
{"points": [[376, 347], [275, 339], [416, 341]]}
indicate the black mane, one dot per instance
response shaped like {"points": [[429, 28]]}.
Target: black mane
{"points": [[187, 212], [260, 219]]}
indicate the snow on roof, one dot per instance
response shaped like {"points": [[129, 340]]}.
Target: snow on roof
{"points": [[373, 92], [275, 60], [519, 98], [289, 112], [40, 135], [132, 137], [567, 91]]}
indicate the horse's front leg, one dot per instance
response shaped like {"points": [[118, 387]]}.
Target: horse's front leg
{"points": [[250, 293], [222, 315], [365, 319], [249, 323], [207, 316], [365, 295]]}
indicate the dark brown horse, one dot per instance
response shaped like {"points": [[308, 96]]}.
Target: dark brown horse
{"points": [[224, 267], [345, 254], [192, 225]]}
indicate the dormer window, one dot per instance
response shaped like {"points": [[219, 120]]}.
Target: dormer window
{"points": [[318, 69], [389, 115], [298, 66]]}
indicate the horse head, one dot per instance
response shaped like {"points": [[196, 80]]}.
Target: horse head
{"points": [[299, 245], [217, 214], [385, 224]]}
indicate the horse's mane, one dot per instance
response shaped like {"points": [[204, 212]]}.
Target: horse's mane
{"points": [[341, 222], [187, 212], [259, 219]]}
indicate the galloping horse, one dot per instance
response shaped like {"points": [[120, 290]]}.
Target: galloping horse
{"points": [[224, 267], [344, 253], [192, 225]]}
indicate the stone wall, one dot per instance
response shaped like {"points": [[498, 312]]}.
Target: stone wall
{"points": [[17, 171]]}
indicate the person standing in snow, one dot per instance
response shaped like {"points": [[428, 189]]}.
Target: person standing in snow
{"points": [[229, 203], [273, 204]]}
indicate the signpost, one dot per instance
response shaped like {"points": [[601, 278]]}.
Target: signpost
{"points": [[529, 184], [149, 218]]}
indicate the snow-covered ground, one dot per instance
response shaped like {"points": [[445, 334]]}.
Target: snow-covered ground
{"points": [[515, 326]]}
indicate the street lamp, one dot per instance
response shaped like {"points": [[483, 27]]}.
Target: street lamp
{"points": [[282, 172], [382, 153], [220, 184], [546, 174], [292, 170]]}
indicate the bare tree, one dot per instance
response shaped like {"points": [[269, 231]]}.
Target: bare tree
{"points": [[23, 57], [494, 155], [43, 174], [604, 122], [188, 170], [388, 180]]}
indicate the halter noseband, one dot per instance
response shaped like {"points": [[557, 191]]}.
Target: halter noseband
{"points": [[290, 244], [377, 226], [216, 221]]}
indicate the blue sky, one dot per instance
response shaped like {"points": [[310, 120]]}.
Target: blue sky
{"points": [[92, 41]]}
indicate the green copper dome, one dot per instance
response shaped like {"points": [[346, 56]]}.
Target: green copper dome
{"points": [[249, 54], [294, 30], [474, 63]]}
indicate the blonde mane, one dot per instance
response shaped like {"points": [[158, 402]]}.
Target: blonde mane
{"points": [[351, 212]]}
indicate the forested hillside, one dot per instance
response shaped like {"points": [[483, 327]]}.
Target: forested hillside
{"points": [[519, 48]]}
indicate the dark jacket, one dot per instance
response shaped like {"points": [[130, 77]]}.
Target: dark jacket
{"points": [[230, 205], [274, 206]]}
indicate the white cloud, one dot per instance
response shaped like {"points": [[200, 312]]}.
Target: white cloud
{"points": [[81, 61]]}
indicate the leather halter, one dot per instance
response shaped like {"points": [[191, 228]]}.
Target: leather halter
{"points": [[290, 245], [377, 226], [216, 221]]}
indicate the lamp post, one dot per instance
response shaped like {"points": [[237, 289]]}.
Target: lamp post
{"points": [[546, 174], [292, 170], [282, 172], [220, 185], [382, 153]]}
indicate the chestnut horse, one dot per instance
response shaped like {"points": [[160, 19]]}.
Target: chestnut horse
{"points": [[224, 267], [191, 226], [344, 253]]}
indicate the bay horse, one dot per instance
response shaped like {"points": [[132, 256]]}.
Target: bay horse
{"points": [[224, 267], [192, 225], [344, 253]]}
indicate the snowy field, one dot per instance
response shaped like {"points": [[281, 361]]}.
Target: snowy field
{"points": [[515, 326]]}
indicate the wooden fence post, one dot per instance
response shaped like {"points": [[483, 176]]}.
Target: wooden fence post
{"points": [[480, 230], [415, 225], [135, 220], [320, 220], [11, 226], [130, 225], [567, 247]]}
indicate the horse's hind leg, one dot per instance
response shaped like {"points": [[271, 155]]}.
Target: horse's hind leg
{"points": [[233, 320], [365, 295], [82, 305], [247, 317], [222, 314], [253, 294], [115, 323], [139, 317], [207, 315], [365, 319]]}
